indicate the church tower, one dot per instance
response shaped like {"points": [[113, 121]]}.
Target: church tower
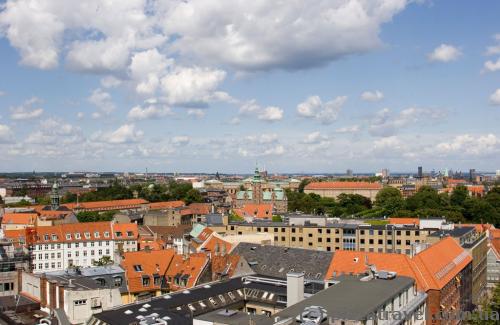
{"points": [[257, 187], [54, 197]]}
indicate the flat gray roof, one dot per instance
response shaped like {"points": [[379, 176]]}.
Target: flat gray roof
{"points": [[220, 316], [351, 298]]}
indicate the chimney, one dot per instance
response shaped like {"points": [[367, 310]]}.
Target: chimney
{"points": [[294, 288]]}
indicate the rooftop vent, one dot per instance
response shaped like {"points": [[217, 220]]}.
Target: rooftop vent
{"points": [[312, 315], [385, 275], [227, 312]]}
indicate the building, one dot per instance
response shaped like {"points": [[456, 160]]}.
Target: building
{"points": [[13, 259], [443, 271], [255, 211], [380, 299], [56, 248], [258, 192], [145, 273], [493, 260], [476, 244], [74, 296], [334, 189], [336, 236]]}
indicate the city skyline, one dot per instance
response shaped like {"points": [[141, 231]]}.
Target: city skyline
{"points": [[202, 86]]}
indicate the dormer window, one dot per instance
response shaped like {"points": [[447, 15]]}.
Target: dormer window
{"points": [[118, 234], [96, 234], [77, 235], [54, 237], [138, 268], [68, 236], [46, 237], [130, 234], [106, 234], [87, 235]]}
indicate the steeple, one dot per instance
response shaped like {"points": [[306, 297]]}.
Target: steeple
{"points": [[54, 197], [256, 175]]}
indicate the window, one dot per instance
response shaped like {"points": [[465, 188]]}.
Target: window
{"points": [[69, 254], [77, 235], [84, 244], [380, 241], [69, 245], [320, 231], [398, 233], [96, 234], [80, 302], [328, 240], [145, 281], [417, 233], [106, 234], [380, 232], [130, 234], [293, 230], [58, 255], [407, 233], [157, 281], [282, 238], [100, 252], [362, 241], [361, 232], [275, 229], [84, 253], [77, 245], [370, 241], [293, 238], [46, 237], [91, 244], [68, 236], [77, 254], [118, 234], [408, 242], [301, 239], [87, 235], [320, 240], [138, 268], [118, 281], [54, 237]]}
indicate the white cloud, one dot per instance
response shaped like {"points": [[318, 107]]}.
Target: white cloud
{"points": [[110, 82], [2, 93], [196, 113], [191, 86], [495, 97], [467, 144], [269, 34], [55, 131], [386, 124], [444, 53], [265, 138], [80, 115], [314, 138], [250, 107], [492, 66], [326, 113], [6, 135], [27, 111], [388, 143], [126, 133], [278, 150], [271, 114], [103, 101], [372, 96], [146, 69], [180, 140], [348, 129], [234, 121], [149, 112]]}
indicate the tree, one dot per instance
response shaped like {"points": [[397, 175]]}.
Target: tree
{"points": [[103, 261], [426, 197], [303, 184], [390, 200], [277, 218], [459, 195], [493, 198], [193, 195], [1, 200], [478, 210], [94, 216]]}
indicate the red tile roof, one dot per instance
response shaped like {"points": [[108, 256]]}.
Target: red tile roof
{"points": [[216, 245], [260, 211], [108, 205], [342, 185], [432, 268], [19, 218], [166, 205], [191, 266], [128, 231], [404, 221], [145, 263], [200, 208]]}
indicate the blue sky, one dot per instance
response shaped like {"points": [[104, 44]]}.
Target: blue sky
{"points": [[297, 86]]}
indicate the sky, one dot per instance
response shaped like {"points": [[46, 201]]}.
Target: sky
{"points": [[295, 86]]}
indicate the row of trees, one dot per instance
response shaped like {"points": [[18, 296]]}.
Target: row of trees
{"points": [[150, 192], [427, 202]]}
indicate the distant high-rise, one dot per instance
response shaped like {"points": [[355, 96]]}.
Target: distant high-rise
{"points": [[385, 173], [498, 173], [349, 173], [472, 174], [420, 173]]}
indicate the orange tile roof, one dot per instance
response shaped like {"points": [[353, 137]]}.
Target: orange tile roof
{"points": [[127, 230], [347, 262], [192, 266], [476, 189], [157, 244], [108, 205], [216, 242], [200, 208], [495, 246], [185, 211], [479, 227], [441, 262], [151, 262], [456, 181], [404, 221], [495, 233], [166, 205], [224, 264], [260, 211], [432, 268], [205, 234], [19, 218], [342, 185], [20, 235]]}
